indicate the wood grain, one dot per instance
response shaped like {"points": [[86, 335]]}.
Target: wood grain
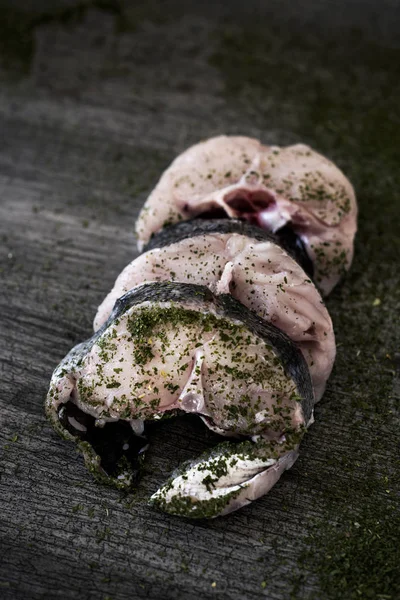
{"points": [[87, 123]]}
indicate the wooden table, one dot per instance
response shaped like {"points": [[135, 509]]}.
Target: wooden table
{"points": [[96, 98]]}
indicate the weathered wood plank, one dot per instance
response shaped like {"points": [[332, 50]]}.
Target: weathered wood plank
{"points": [[86, 126]]}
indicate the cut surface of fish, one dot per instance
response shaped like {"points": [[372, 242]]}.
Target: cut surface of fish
{"points": [[269, 186]]}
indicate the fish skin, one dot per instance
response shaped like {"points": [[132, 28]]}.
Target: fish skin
{"points": [[194, 227], [271, 186], [254, 270]]}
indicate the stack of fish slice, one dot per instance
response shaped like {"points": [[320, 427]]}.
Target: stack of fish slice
{"points": [[221, 316]]}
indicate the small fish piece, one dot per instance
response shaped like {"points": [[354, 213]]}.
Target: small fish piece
{"points": [[230, 256], [171, 347], [227, 478], [272, 187]]}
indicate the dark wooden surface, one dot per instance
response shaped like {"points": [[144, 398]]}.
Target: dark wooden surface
{"points": [[95, 99]]}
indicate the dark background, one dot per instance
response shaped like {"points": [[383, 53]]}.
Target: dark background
{"points": [[96, 98]]}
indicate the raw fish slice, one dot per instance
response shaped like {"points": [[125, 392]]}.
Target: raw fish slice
{"points": [[269, 186], [174, 346]]}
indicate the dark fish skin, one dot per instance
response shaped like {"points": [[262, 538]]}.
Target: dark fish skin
{"points": [[193, 227], [284, 237], [294, 245], [228, 307]]}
